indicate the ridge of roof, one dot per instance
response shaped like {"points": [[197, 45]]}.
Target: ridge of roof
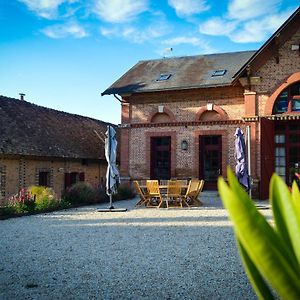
{"points": [[54, 110], [194, 56]]}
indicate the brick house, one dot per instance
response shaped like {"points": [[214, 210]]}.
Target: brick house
{"points": [[42, 146], [179, 114]]}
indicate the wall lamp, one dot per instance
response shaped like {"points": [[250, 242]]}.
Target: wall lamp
{"points": [[184, 145]]}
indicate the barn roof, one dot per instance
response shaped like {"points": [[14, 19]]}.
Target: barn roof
{"points": [[29, 129]]}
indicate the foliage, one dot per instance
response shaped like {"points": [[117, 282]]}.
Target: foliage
{"points": [[45, 197], [22, 202], [39, 198], [33, 199], [271, 256], [84, 193], [124, 192], [80, 193]]}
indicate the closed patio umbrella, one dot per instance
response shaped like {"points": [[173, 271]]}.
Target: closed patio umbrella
{"points": [[241, 168], [112, 173]]}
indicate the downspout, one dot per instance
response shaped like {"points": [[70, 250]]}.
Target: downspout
{"points": [[120, 100]]}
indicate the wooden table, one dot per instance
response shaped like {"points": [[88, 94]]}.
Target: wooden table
{"points": [[164, 188]]}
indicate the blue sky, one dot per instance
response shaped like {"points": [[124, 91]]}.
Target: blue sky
{"points": [[63, 53]]}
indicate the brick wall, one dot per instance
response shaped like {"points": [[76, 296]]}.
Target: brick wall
{"points": [[185, 104], [23, 172], [185, 107], [273, 74], [185, 162]]}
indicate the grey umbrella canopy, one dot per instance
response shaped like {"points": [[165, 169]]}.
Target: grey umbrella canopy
{"points": [[112, 173], [241, 168]]}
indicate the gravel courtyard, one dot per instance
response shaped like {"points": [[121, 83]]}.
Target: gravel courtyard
{"points": [[139, 254]]}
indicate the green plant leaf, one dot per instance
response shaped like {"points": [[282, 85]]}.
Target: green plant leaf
{"points": [[285, 216], [296, 198], [261, 288], [265, 248]]}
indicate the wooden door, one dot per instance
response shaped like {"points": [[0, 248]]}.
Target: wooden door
{"points": [[210, 160], [160, 160]]}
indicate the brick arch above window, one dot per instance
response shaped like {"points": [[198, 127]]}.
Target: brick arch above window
{"points": [[272, 99], [166, 114], [217, 112]]}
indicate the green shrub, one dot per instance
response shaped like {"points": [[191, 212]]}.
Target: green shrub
{"points": [[45, 197], [7, 210], [124, 192], [80, 193], [271, 255]]}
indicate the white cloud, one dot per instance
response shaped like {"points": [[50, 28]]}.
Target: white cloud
{"points": [[137, 35], [249, 9], [259, 30], [157, 26], [188, 40], [244, 24], [44, 8], [119, 11], [65, 30], [217, 26], [183, 40], [188, 7]]}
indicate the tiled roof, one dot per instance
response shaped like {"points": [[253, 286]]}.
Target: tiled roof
{"points": [[186, 72], [29, 129]]}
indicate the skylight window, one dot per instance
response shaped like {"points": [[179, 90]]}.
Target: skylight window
{"points": [[218, 73], [163, 77]]}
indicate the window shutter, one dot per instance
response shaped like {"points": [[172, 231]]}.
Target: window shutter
{"points": [[81, 176], [67, 180]]}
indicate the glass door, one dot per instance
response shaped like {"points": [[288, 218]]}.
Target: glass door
{"points": [[210, 160], [160, 157]]}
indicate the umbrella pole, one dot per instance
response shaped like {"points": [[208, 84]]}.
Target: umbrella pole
{"points": [[110, 201]]}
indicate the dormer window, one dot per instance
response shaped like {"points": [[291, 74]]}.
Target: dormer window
{"points": [[217, 73], [163, 77]]}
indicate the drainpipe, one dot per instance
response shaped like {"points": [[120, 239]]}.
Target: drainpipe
{"points": [[249, 157]]}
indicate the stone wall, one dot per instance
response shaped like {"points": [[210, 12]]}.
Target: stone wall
{"points": [[19, 172]]}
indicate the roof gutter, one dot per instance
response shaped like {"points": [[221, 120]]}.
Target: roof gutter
{"points": [[120, 100]]}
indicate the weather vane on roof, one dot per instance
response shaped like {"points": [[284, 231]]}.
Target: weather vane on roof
{"points": [[167, 52]]}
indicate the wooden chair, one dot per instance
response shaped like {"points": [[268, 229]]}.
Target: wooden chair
{"points": [[144, 196], [200, 188], [154, 193], [163, 182], [173, 193], [193, 191]]}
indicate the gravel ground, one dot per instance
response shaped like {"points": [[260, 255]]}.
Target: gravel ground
{"points": [[140, 254]]}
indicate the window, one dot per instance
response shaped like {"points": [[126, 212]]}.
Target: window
{"points": [[44, 178], [218, 73], [163, 77], [73, 177], [280, 162], [289, 100], [287, 149]]}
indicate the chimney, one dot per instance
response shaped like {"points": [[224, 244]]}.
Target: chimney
{"points": [[21, 96]]}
